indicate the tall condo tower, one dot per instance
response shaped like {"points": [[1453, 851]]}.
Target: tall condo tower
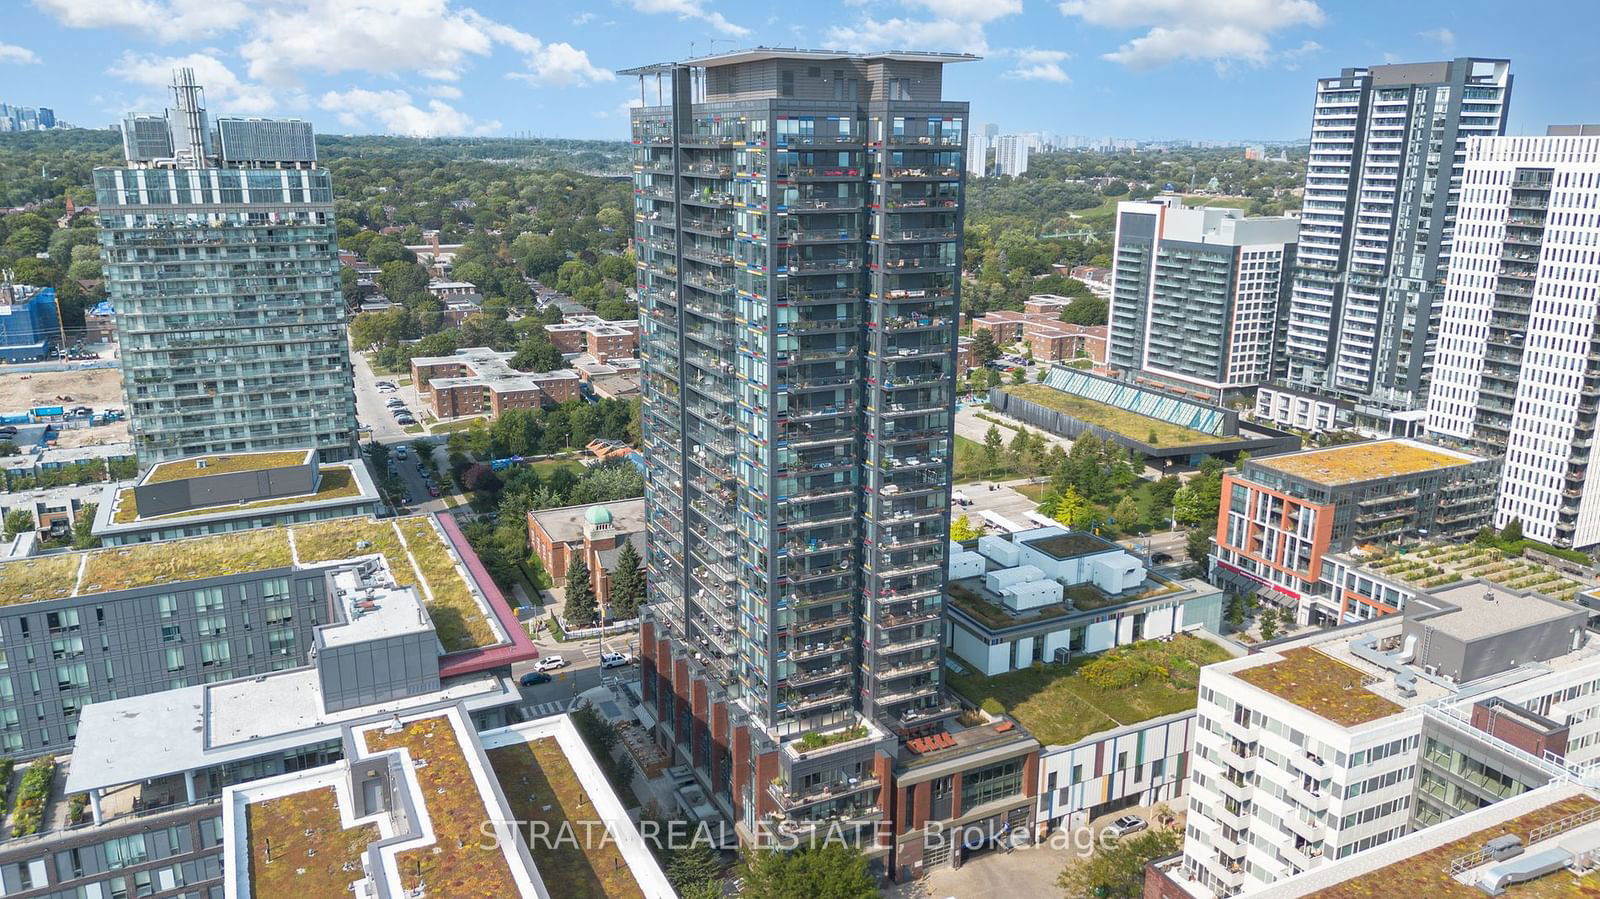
{"points": [[1518, 373], [799, 242], [220, 256], [1382, 184]]}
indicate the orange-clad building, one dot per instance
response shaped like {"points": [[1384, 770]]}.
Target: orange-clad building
{"points": [[1281, 515]]}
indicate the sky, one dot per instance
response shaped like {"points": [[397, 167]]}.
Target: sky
{"points": [[1149, 69]]}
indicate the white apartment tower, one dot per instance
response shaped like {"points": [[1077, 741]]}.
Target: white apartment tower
{"points": [[1518, 370], [1387, 146], [977, 151], [1010, 154]]}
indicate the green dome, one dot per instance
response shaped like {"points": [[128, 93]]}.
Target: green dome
{"points": [[598, 515]]}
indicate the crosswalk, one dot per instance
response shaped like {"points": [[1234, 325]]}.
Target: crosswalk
{"points": [[544, 709]]}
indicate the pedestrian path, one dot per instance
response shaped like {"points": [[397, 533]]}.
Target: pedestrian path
{"points": [[544, 709]]}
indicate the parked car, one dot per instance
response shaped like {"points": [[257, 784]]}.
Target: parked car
{"points": [[399, 411], [388, 384], [1161, 558], [1125, 825], [405, 420], [7, 432], [395, 402], [549, 663], [383, 389], [433, 491], [534, 679], [401, 452], [82, 411], [615, 659]]}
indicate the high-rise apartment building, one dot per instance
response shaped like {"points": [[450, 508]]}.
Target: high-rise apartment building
{"points": [[1382, 182], [977, 161], [219, 253], [1197, 295], [1011, 154], [1518, 370], [799, 247]]}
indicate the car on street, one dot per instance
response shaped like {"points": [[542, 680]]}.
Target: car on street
{"points": [[404, 420], [534, 679], [82, 411], [615, 659], [400, 452], [394, 401], [1125, 825], [399, 412], [549, 663], [1161, 558], [388, 384], [433, 491], [383, 389]]}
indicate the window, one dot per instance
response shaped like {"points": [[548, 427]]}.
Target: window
{"points": [[280, 641], [990, 784], [167, 604], [171, 633], [66, 647], [71, 677], [282, 613], [174, 660], [275, 589], [125, 851], [786, 83], [213, 625], [64, 620], [216, 652], [208, 600]]}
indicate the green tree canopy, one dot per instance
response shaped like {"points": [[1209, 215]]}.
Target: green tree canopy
{"points": [[829, 870]]}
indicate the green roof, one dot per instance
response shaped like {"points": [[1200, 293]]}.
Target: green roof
{"points": [[230, 463], [336, 482]]}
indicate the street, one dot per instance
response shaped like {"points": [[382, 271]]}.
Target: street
{"points": [[581, 673]]}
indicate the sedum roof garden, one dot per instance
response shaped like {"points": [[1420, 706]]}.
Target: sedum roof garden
{"points": [[230, 463], [336, 482], [1355, 462], [1322, 685]]}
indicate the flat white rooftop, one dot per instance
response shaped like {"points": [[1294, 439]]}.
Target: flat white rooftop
{"points": [[374, 607]]}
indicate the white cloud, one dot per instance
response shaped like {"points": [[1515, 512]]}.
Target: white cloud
{"points": [[394, 112], [583, 19], [562, 64], [1219, 31], [1444, 37], [1039, 65], [444, 91], [13, 53], [164, 20], [225, 91], [936, 34], [969, 10], [691, 9]]}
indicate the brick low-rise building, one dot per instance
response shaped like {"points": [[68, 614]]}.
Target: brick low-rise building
{"points": [[596, 336], [481, 381], [597, 532], [1049, 338]]}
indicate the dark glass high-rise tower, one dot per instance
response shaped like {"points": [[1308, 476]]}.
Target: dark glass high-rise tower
{"points": [[799, 243]]}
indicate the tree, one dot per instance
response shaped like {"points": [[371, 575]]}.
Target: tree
{"points": [[1512, 532], [1020, 447], [1269, 624], [1126, 514], [1018, 376], [1199, 501], [962, 529], [1086, 310], [82, 533], [993, 447], [18, 521], [627, 584], [1197, 544], [693, 868], [7, 448], [1117, 871], [983, 348], [1072, 509], [580, 610], [481, 478], [828, 870]]}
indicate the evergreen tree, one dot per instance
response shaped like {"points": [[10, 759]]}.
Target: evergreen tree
{"points": [[693, 867], [627, 584], [82, 536], [580, 610], [983, 347], [826, 870]]}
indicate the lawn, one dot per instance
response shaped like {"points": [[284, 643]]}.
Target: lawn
{"points": [[972, 463], [1034, 492], [548, 467], [298, 846], [1120, 421], [1060, 706], [459, 424], [540, 785]]}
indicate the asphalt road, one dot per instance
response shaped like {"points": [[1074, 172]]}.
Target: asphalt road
{"points": [[582, 672], [372, 411]]}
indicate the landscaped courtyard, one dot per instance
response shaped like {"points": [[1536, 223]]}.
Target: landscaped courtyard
{"points": [[1062, 704], [1438, 564]]}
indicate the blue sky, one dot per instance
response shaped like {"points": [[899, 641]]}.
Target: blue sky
{"points": [[1152, 69]]}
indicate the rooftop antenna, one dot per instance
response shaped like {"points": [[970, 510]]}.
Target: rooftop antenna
{"points": [[190, 102]]}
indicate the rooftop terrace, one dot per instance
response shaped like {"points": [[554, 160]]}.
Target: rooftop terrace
{"points": [[1355, 462], [1062, 704], [1437, 564], [1322, 685], [205, 466]]}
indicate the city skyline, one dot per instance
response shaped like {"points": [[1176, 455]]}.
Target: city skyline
{"points": [[439, 67]]}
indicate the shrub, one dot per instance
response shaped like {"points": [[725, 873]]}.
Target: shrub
{"points": [[27, 813], [992, 706]]}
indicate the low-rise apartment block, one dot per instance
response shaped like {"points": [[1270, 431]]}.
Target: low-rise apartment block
{"points": [[481, 381], [237, 492], [1047, 337], [1281, 515], [604, 340]]}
